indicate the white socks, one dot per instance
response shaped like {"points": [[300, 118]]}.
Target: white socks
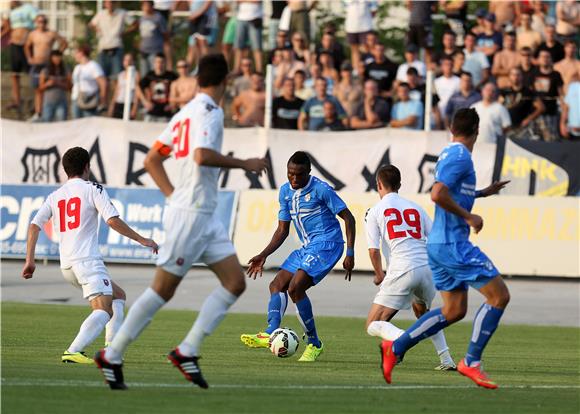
{"points": [[385, 330], [212, 312], [116, 321], [138, 317], [90, 330], [442, 349]]}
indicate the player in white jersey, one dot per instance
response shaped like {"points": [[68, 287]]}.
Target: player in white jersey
{"points": [[193, 234], [399, 228], [75, 209]]}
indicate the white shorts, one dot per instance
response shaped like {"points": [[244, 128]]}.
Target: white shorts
{"points": [[414, 286], [192, 238], [91, 276]]}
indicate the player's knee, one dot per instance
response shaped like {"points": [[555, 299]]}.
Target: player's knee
{"points": [[295, 293], [236, 287], [454, 314], [501, 300], [274, 287]]}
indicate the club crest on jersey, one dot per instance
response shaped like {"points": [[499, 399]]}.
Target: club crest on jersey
{"points": [[106, 282], [180, 261], [307, 197]]}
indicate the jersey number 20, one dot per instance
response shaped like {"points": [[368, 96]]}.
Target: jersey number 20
{"points": [[72, 210], [412, 219], [181, 138]]}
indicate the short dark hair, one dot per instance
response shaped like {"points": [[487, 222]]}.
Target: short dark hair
{"points": [[470, 33], [301, 72], [160, 55], [405, 85], [412, 71], [212, 70], [465, 122], [389, 176], [450, 33], [300, 158], [569, 42], [75, 160], [84, 49], [466, 73], [449, 58]]}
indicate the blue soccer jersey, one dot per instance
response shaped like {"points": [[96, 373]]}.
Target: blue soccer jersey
{"points": [[313, 211], [454, 169]]}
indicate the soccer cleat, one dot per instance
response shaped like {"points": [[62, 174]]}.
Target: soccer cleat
{"points": [[259, 340], [476, 374], [75, 358], [188, 367], [388, 359], [446, 367], [311, 353], [113, 373]]}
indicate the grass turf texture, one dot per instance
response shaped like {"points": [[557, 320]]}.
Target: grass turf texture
{"points": [[253, 380]]}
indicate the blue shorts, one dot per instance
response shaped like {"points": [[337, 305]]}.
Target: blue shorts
{"points": [[459, 265], [316, 259]]}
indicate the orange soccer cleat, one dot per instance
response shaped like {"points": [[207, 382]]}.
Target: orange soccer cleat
{"points": [[388, 359], [476, 374]]}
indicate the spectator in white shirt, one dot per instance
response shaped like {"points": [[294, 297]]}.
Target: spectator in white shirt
{"points": [[410, 61], [446, 84], [89, 91], [358, 23], [476, 62], [494, 118]]}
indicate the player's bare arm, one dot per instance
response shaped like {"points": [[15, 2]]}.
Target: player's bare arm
{"points": [[29, 266], [493, 189], [210, 158], [440, 196], [257, 262], [350, 230], [376, 261], [154, 166], [122, 228]]}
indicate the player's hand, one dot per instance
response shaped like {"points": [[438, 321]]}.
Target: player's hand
{"points": [[256, 165], [476, 222], [494, 188], [348, 265], [256, 266], [150, 243], [28, 270], [378, 279]]}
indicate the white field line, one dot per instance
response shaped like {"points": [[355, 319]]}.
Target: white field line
{"points": [[77, 383]]}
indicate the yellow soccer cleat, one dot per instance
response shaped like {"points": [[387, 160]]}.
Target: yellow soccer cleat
{"points": [[311, 353], [259, 340], [76, 358]]}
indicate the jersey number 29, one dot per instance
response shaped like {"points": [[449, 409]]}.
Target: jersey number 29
{"points": [[412, 219], [70, 209]]}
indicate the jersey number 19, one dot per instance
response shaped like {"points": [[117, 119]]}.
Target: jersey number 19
{"points": [[70, 209]]}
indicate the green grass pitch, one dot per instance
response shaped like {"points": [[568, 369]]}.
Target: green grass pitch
{"points": [[537, 368]]}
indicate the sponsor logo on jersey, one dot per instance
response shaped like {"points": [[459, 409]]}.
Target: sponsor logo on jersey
{"points": [[180, 261], [106, 282]]}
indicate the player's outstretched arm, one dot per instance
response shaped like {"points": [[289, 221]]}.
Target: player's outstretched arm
{"points": [[122, 228], [493, 189], [154, 166], [440, 196], [211, 158], [350, 229], [29, 266], [257, 262]]}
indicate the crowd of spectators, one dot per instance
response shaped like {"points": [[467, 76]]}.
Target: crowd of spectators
{"points": [[516, 64]]}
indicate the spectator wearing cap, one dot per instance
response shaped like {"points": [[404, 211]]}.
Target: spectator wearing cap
{"points": [[551, 44], [526, 36], [300, 90], [312, 113], [548, 85], [522, 104], [464, 98], [448, 50], [506, 12], [373, 111], [494, 119], [406, 113], [446, 85], [420, 31], [286, 107], [505, 60], [570, 120], [411, 60], [382, 70], [358, 23], [570, 65], [348, 91], [476, 62], [527, 67], [479, 21], [330, 122], [490, 40], [456, 16], [328, 43]]}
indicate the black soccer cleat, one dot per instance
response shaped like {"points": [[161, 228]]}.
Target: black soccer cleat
{"points": [[113, 373], [188, 367]]}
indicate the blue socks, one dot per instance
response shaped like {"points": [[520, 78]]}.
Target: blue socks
{"points": [[276, 310], [429, 324], [304, 308], [484, 325]]}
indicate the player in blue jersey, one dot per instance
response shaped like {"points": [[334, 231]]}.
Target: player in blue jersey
{"points": [[455, 262], [312, 205]]}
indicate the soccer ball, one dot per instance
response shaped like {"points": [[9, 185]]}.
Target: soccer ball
{"points": [[283, 342]]}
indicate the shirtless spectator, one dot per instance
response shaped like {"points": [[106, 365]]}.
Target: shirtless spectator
{"points": [[505, 60], [348, 91], [117, 104], [286, 107], [570, 65], [37, 48], [248, 107], [184, 88], [506, 12], [373, 112], [551, 44], [19, 23], [568, 15], [526, 36]]}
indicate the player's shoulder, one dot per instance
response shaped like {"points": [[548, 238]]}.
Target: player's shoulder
{"points": [[455, 152], [284, 189], [320, 185]]}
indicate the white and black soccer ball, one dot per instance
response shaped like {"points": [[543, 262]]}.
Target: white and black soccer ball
{"points": [[283, 342]]}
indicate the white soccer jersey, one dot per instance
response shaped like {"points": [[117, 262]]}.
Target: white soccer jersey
{"points": [[399, 228], [75, 208], [199, 124]]}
